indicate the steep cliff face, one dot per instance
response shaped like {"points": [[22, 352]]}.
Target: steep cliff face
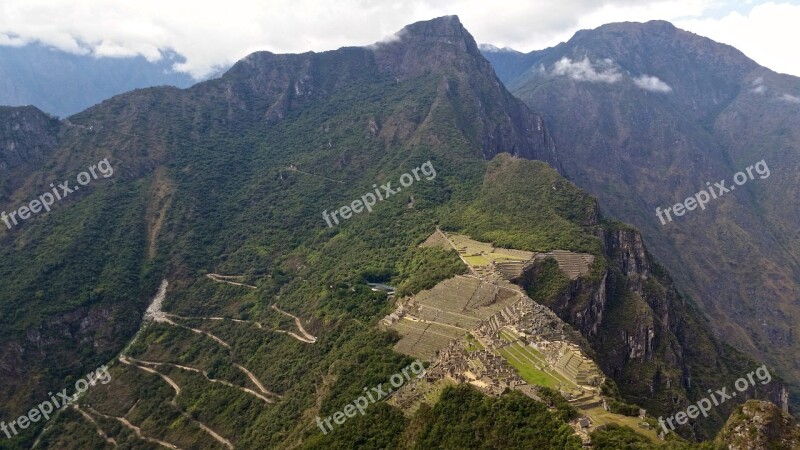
{"points": [[654, 344], [632, 275], [26, 134]]}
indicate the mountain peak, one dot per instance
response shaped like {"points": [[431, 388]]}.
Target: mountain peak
{"points": [[441, 30], [624, 39], [445, 29], [651, 25], [438, 44], [441, 27], [489, 48], [649, 30]]}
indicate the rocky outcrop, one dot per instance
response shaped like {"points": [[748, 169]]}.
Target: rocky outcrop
{"points": [[758, 425]]}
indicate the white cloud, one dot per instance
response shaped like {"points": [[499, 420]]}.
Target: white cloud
{"points": [[652, 84], [758, 86], [584, 70], [394, 37], [214, 33], [765, 33], [11, 41], [489, 48], [790, 98]]}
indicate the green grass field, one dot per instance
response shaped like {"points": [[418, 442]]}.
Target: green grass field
{"points": [[477, 260], [506, 336], [601, 417], [529, 372], [535, 352], [523, 351]]}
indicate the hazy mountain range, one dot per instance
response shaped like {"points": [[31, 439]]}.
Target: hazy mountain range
{"points": [[62, 83]]}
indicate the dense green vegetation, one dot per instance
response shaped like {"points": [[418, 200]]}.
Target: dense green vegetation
{"points": [[553, 399], [86, 258], [545, 281], [326, 279], [615, 403], [616, 437], [464, 418], [424, 268], [505, 214]]}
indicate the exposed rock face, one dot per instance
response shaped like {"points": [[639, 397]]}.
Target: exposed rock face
{"points": [[428, 46], [654, 344], [26, 135], [631, 270], [758, 425]]}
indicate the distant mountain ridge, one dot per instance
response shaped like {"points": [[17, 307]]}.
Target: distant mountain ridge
{"points": [[63, 84]]}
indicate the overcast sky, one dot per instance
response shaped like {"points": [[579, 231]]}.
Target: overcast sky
{"points": [[217, 33]]}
